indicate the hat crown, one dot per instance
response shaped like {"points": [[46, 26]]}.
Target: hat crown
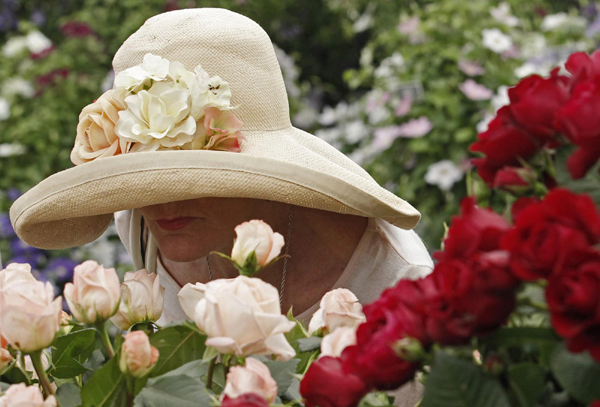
{"points": [[225, 44]]}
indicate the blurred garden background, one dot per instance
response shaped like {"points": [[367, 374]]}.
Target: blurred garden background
{"points": [[402, 87]]}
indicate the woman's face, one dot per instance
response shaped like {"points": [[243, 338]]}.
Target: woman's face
{"points": [[189, 230]]}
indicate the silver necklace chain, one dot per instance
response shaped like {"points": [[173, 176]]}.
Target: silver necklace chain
{"points": [[285, 259]]}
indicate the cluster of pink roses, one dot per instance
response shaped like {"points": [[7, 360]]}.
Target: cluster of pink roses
{"points": [[540, 110]]}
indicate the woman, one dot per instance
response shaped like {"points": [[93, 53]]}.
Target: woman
{"points": [[196, 137]]}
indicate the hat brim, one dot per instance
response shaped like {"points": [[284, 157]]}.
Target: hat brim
{"points": [[75, 206]]}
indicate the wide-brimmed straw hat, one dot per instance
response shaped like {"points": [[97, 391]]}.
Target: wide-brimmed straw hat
{"points": [[276, 161]]}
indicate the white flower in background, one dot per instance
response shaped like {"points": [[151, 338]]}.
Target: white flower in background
{"points": [[355, 131], [475, 91], [306, 117], [496, 40], [328, 116], [484, 123], [253, 377], [562, 21], [533, 46], [363, 23], [289, 70], [10, 149], [378, 115], [338, 308], [389, 65], [240, 315], [362, 155], [334, 344], [528, 68], [13, 46], [330, 135], [502, 14], [444, 174], [501, 98], [18, 86], [37, 42], [4, 109]]}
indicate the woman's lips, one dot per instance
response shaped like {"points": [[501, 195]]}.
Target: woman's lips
{"points": [[171, 225]]}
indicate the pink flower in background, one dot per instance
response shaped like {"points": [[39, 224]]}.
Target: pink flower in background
{"points": [[475, 91], [410, 26], [416, 127], [376, 100], [404, 107], [385, 136], [470, 68]]}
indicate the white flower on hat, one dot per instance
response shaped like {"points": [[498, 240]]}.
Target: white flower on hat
{"points": [[154, 68]]}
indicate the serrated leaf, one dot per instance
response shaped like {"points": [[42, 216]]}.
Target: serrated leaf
{"points": [[71, 351], [69, 395], [177, 345], [283, 373], [107, 387], [455, 382], [309, 344], [577, 373], [173, 390]]}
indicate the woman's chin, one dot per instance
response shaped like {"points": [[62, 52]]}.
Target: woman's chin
{"points": [[180, 249]]}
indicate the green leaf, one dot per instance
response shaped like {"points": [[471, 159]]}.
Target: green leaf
{"points": [[177, 345], [527, 382], [69, 395], [309, 344], [577, 373], [293, 392], [455, 382], [181, 387], [517, 336], [107, 387], [283, 373], [70, 352]]}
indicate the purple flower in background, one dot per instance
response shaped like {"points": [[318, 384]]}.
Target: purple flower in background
{"points": [[594, 28], [21, 249], [33, 260], [62, 268], [6, 229], [8, 21], [13, 194], [475, 91], [38, 18], [470, 68], [74, 29]]}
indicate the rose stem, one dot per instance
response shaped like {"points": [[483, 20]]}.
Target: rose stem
{"points": [[36, 359], [106, 340], [209, 375]]}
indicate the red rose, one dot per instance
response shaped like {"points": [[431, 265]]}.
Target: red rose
{"points": [[520, 205], [579, 121], [514, 178], [475, 230], [245, 400], [549, 234], [503, 143], [595, 403], [327, 383], [534, 101], [582, 67]]}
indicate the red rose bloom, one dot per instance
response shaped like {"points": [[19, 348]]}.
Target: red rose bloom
{"points": [[534, 101], [595, 404], [475, 230], [514, 178], [574, 304], [503, 143], [245, 400], [549, 234], [583, 67], [579, 121], [327, 383]]}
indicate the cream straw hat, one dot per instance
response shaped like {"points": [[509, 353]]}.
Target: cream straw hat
{"points": [[277, 161]]}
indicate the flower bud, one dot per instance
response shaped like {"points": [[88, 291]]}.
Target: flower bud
{"points": [[138, 357], [253, 377], [338, 308], [22, 395], [256, 245], [94, 295], [142, 299], [15, 272], [5, 360], [410, 349]]}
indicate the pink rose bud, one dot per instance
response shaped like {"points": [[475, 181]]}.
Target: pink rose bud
{"points": [[334, 343], [142, 299], [22, 395], [5, 359], [338, 308], [253, 377], [15, 272], [94, 295], [255, 237], [138, 357], [29, 315]]}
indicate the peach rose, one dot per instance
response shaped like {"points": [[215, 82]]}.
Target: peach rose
{"points": [[222, 129], [29, 315], [94, 295], [5, 360], [253, 377], [15, 272], [338, 307], [138, 357], [255, 237], [142, 299], [26, 396], [334, 343], [240, 315], [96, 136]]}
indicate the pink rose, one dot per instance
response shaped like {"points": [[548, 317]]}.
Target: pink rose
{"points": [[335, 343], [15, 272], [253, 377], [256, 237], [26, 396], [338, 308], [142, 299], [95, 294], [138, 357]]}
